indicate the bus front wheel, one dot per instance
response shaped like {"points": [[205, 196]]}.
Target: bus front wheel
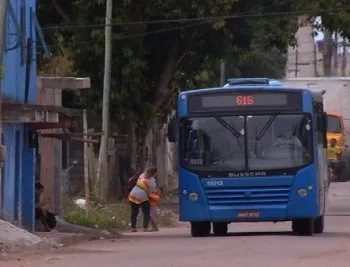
{"points": [[220, 229], [305, 227], [200, 229]]}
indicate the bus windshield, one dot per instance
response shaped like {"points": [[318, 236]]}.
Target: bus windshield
{"points": [[333, 124], [245, 143]]}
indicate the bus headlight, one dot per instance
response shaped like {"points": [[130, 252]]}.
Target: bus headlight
{"points": [[193, 196], [302, 192]]}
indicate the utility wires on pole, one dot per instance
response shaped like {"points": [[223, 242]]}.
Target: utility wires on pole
{"points": [[102, 168]]}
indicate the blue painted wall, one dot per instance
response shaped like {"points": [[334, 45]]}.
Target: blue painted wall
{"points": [[19, 165]]}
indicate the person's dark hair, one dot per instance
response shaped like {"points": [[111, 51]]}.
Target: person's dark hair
{"points": [[151, 171], [38, 185]]}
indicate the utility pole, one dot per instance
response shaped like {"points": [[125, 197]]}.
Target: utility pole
{"points": [[102, 168]]}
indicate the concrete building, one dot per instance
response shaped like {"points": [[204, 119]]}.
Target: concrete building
{"points": [[18, 85], [301, 59], [20, 114], [56, 149], [306, 58]]}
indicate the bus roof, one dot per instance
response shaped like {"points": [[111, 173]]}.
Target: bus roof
{"points": [[244, 87], [252, 81], [256, 83]]}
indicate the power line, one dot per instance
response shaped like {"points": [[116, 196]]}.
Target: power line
{"points": [[147, 34], [167, 29], [208, 19], [131, 36]]}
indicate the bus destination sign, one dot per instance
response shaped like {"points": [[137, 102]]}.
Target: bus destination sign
{"points": [[239, 100]]}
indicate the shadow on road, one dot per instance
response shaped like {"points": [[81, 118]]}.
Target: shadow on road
{"points": [[274, 233], [230, 234], [330, 234]]}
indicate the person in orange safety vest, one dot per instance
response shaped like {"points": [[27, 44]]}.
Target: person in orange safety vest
{"points": [[139, 197]]}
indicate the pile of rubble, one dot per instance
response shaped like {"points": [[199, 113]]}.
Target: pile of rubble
{"points": [[14, 238]]}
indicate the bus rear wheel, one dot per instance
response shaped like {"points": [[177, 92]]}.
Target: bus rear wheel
{"points": [[305, 227], [200, 229], [319, 225], [220, 229]]}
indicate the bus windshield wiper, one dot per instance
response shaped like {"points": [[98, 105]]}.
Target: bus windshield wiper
{"points": [[228, 126], [266, 127], [232, 130]]}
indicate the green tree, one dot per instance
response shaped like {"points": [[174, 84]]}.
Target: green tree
{"points": [[152, 61]]}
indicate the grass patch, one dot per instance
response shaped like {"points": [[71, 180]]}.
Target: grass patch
{"points": [[114, 216]]}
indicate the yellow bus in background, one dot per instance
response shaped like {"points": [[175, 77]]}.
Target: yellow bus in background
{"points": [[335, 129]]}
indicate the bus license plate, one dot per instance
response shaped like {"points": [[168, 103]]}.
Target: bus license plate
{"points": [[249, 214]]}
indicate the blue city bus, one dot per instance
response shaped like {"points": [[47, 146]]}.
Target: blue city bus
{"points": [[251, 151]]}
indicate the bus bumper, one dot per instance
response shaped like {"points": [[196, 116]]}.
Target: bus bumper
{"points": [[250, 199]]}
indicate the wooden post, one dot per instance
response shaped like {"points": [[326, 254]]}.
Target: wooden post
{"points": [[86, 167], [92, 166]]}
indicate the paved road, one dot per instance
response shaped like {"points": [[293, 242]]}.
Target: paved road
{"points": [[259, 244]]}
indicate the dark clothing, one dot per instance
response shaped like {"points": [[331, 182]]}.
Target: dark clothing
{"points": [[145, 207], [37, 198], [38, 214]]}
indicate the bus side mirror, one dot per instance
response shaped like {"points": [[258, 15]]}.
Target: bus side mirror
{"points": [[325, 126], [172, 131]]}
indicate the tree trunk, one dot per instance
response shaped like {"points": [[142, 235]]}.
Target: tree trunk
{"points": [[327, 54], [60, 11], [162, 160], [132, 146], [166, 76], [147, 160], [115, 190], [344, 59], [335, 55], [155, 141]]}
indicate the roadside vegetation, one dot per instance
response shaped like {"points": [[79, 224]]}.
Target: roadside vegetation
{"points": [[113, 216]]}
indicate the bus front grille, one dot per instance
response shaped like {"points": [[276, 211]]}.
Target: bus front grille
{"points": [[248, 196]]}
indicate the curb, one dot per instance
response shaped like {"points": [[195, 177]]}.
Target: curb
{"points": [[73, 239], [53, 242]]}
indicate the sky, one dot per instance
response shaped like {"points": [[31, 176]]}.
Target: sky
{"points": [[319, 33]]}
